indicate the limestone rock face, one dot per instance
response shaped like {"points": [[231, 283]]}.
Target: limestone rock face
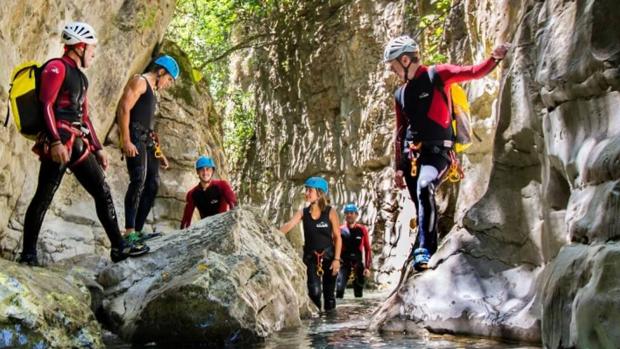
{"points": [[45, 309], [128, 33], [325, 107], [228, 278]]}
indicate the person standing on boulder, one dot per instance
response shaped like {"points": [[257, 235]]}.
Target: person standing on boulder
{"points": [[322, 242], [70, 141], [140, 143], [210, 196], [355, 241], [424, 136]]}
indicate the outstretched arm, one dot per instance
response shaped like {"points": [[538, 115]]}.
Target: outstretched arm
{"points": [[454, 74], [333, 218], [293, 222]]}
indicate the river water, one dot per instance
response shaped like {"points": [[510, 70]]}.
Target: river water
{"points": [[346, 329]]}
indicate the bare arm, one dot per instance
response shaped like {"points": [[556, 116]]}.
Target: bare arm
{"points": [[293, 222], [133, 90], [333, 218]]}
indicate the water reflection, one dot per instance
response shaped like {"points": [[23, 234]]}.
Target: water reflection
{"points": [[347, 329]]}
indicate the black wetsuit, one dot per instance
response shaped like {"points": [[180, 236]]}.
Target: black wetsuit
{"points": [[143, 168], [63, 95], [319, 249], [352, 260]]}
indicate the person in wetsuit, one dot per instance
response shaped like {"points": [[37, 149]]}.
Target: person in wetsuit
{"points": [[136, 120], [424, 136], [70, 141], [211, 196], [356, 253], [322, 244]]}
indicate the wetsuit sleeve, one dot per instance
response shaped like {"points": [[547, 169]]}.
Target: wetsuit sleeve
{"points": [[229, 195], [399, 135], [451, 74], [52, 78], [92, 135], [188, 212], [367, 250]]}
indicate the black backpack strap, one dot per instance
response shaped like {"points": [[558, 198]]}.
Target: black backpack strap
{"points": [[438, 83], [8, 111]]}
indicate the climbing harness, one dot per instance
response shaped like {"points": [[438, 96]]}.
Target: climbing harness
{"points": [[414, 154], [319, 263], [158, 152], [455, 172]]}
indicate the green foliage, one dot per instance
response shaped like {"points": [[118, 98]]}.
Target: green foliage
{"points": [[204, 30], [239, 125], [431, 24]]}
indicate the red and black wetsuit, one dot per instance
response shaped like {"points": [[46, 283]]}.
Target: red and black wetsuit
{"points": [[218, 197], [63, 96], [143, 168], [319, 249], [355, 241], [423, 115]]}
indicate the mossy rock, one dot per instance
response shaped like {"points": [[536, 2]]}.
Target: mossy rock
{"points": [[42, 308]]}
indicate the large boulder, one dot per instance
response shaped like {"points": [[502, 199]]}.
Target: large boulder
{"points": [[42, 308], [230, 277]]}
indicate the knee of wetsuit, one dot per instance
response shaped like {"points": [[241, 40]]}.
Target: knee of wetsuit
{"points": [[426, 189], [152, 185], [314, 290], [137, 175], [330, 304]]}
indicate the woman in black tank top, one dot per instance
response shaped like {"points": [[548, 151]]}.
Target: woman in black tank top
{"points": [[322, 242]]}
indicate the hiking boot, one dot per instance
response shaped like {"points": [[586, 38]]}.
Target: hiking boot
{"points": [[420, 259], [29, 259], [128, 250]]}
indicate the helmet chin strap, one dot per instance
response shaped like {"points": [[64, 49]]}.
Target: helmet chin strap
{"points": [[405, 68], [80, 56]]}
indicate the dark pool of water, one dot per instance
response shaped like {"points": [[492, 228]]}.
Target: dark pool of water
{"points": [[347, 329]]}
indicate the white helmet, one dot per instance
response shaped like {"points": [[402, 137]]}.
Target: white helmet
{"points": [[398, 46], [77, 32]]}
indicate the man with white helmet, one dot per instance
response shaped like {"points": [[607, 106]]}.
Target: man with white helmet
{"points": [[70, 141], [424, 135], [136, 120]]}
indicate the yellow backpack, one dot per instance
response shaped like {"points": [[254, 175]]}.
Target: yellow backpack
{"points": [[461, 119], [24, 100]]}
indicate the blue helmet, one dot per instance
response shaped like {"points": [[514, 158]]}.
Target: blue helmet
{"points": [[169, 64], [350, 208], [205, 161], [317, 183]]}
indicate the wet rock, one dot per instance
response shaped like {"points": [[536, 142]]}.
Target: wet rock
{"points": [[228, 278], [581, 297], [42, 308]]}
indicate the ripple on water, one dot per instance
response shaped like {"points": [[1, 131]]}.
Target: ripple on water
{"points": [[346, 328]]}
